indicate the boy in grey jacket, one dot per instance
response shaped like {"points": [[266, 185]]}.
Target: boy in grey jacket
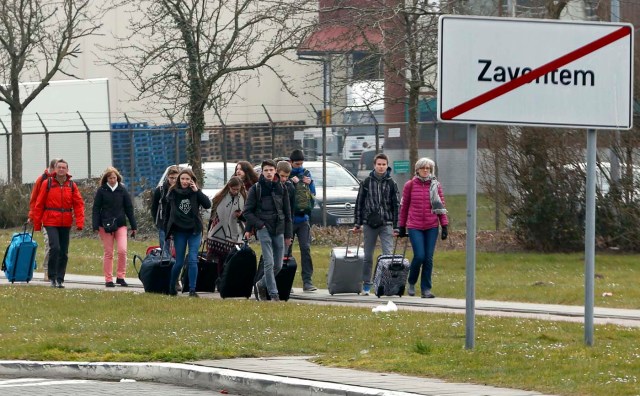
{"points": [[376, 214]]}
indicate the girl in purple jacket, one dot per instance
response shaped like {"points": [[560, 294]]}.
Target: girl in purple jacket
{"points": [[422, 210]]}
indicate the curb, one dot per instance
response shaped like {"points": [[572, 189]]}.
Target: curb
{"points": [[217, 379]]}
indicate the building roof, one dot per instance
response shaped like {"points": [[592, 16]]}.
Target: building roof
{"points": [[339, 39]]}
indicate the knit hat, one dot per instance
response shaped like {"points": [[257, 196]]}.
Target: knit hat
{"points": [[297, 155]]}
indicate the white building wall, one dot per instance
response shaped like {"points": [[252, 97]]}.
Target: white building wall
{"points": [[265, 89]]}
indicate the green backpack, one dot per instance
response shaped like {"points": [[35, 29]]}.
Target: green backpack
{"points": [[303, 199]]}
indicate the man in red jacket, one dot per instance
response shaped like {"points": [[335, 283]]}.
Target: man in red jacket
{"points": [[58, 201], [49, 172]]}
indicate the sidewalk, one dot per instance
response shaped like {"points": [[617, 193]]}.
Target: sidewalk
{"points": [[297, 375]]}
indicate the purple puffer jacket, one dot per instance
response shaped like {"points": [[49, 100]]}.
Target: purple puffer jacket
{"points": [[415, 207]]}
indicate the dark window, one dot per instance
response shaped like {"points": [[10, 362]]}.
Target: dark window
{"points": [[366, 66]]}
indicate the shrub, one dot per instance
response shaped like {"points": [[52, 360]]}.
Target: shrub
{"points": [[14, 204]]}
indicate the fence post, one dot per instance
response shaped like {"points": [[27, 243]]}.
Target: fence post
{"points": [[324, 167], [88, 145], [46, 140], [377, 127], [273, 133], [176, 140], [132, 160]]}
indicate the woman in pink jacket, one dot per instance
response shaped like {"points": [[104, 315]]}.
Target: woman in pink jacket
{"points": [[422, 210]]}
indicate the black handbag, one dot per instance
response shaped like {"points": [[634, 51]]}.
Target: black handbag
{"points": [[110, 225]]}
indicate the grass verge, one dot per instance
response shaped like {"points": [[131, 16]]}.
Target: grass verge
{"points": [[87, 325]]}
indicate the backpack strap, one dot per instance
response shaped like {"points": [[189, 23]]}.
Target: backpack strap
{"points": [[71, 183]]}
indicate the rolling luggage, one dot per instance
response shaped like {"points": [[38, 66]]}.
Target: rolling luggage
{"points": [[284, 279], [391, 273], [238, 272], [345, 269], [207, 274], [20, 257], [155, 270]]}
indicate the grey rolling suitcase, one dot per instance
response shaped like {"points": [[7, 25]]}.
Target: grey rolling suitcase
{"points": [[392, 271], [345, 269]]}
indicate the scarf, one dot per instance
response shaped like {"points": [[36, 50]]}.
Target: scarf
{"points": [[436, 204], [225, 225]]}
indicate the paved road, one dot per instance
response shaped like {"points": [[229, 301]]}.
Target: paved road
{"points": [[74, 387]]}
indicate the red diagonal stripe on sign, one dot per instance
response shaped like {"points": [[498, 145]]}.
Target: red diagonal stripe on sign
{"points": [[539, 72]]}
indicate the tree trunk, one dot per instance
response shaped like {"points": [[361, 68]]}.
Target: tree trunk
{"points": [[196, 128], [16, 145]]}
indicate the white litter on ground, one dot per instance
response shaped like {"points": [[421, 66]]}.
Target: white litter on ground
{"points": [[390, 307]]}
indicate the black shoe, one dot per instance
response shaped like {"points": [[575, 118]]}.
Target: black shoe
{"points": [[109, 284], [193, 293], [428, 295], [121, 282], [60, 285]]}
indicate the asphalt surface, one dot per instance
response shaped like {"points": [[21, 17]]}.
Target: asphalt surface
{"points": [[292, 375]]}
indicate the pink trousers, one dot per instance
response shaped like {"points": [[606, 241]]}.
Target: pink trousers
{"points": [[120, 237]]}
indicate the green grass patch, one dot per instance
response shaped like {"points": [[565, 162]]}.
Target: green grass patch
{"points": [[88, 325]]}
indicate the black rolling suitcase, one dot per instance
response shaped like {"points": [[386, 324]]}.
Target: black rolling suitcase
{"points": [[207, 274], [392, 271], [238, 272], [155, 270], [284, 279]]}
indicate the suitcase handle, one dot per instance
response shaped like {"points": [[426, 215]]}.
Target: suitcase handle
{"points": [[404, 251], [346, 250]]}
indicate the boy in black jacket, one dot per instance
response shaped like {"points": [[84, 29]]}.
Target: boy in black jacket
{"points": [[268, 214]]}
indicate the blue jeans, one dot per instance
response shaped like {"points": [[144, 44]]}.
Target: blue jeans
{"points": [[180, 241], [303, 232], [272, 254], [424, 244], [161, 237]]}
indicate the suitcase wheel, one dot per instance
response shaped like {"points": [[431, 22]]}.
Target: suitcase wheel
{"points": [[380, 291], [401, 292]]}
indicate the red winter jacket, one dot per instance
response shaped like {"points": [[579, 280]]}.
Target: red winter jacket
{"points": [[54, 207], [415, 207], [36, 190]]}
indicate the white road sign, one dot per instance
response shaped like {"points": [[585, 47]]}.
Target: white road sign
{"points": [[535, 72]]}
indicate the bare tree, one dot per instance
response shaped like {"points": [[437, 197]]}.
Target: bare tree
{"points": [[192, 55], [38, 38]]}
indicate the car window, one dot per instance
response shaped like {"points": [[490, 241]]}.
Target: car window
{"points": [[337, 176], [213, 179]]}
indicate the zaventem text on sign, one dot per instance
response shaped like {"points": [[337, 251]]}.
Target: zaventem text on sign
{"points": [[496, 73]]}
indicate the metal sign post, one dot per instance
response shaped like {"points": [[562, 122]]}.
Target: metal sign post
{"points": [[472, 150]]}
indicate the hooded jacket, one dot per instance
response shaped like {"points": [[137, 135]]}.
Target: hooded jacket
{"points": [[271, 210], [415, 207], [108, 204], [56, 206], [377, 195], [183, 210]]}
